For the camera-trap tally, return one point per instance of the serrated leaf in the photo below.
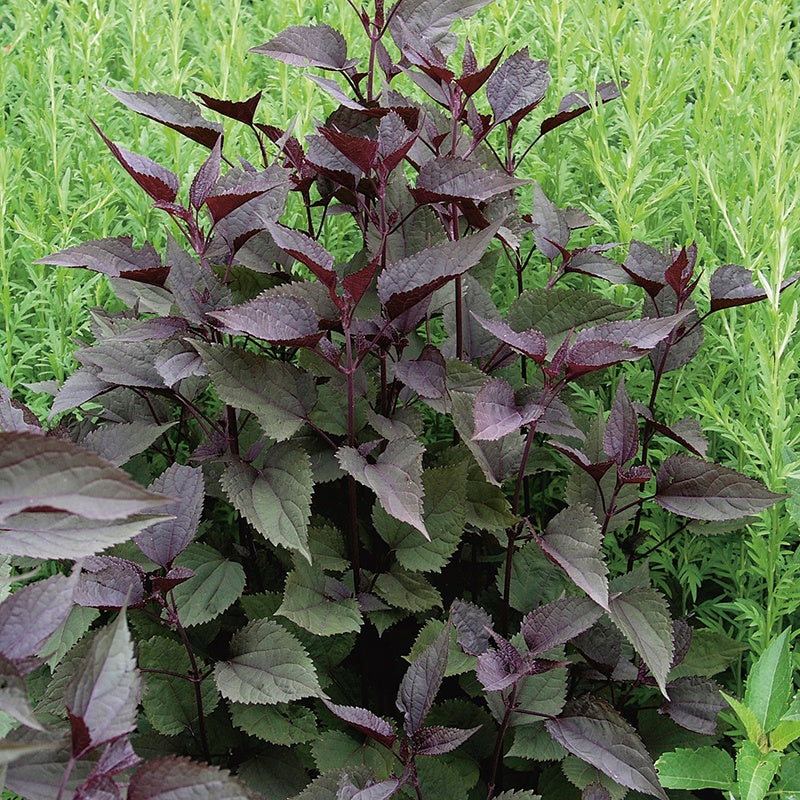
(448, 177)
(457, 661)
(643, 617)
(621, 436)
(769, 684)
(395, 477)
(14, 696)
(103, 696)
(275, 499)
(120, 442)
(206, 176)
(435, 740)
(517, 86)
(402, 284)
(544, 694)
(496, 414)
(421, 683)
(471, 623)
(243, 203)
(280, 395)
(164, 541)
(556, 623)
(430, 19)
(268, 665)
(283, 724)
(444, 517)
(110, 582)
(709, 653)
(733, 285)
(309, 602)
(307, 46)
(594, 732)
(755, 733)
(406, 590)
(534, 743)
(531, 342)
(170, 702)
(573, 540)
(67, 634)
(365, 721)
(694, 704)
(242, 111)
(576, 103)
(535, 579)
(177, 778)
(306, 250)
(174, 112)
(116, 257)
(216, 584)
(755, 771)
(701, 490)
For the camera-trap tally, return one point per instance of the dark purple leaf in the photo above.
(16, 417)
(426, 376)
(274, 318)
(164, 541)
(497, 669)
(365, 721)
(551, 230)
(702, 490)
(472, 78)
(593, 731)
(98, 787)
(421, 683)
(109, 582)
(207, 176)
(595, 791)
(531, 342)
(102, 697)
(395, 477)
(114, 256)
(472, 624)
(175, 113)
(679, 273)
(451, 178)
(429, 19)
(646, 266)
(588, 261)
(517, 86)
(242, 111)
(307, 46)
(120, 442)
(554, 624)
(621, 436)
(577, 103)
(117, 757)
(685, 342)
(173, 578)
(496, 413)
(573, 540)
(236, 188)
(601, 646)
(178, 778)
(394, 140)
(14, 695)
(643, 617)
(356, 283)
(733, 285)
(436, 740)
(307, 250)
(682, 634)
(408, 281)
(357, 149)
(694, 703)
(157, 181)
(686, 432)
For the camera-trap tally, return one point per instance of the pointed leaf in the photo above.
(110, 582)
(174, 112)
(694, 704)
(429, 19)
(769, 685)
(646, 266)
(556, 623)
(120, 442)
(594, 732)
(755, 771)
(496, 413)
(307, 46)
(471, 622)
(426, 376)
(206, 176)
(165, 540)
(14, 696)
(275, 499)
(517, 86)
(531, 342)
(755, 733)
(243, 203)
(306, 250)
(702, 490)
(405, 283)
(242, 111)
(573, 540)
(103, 696)
(436, 740)
(268, 665)
(395, 477)
(421, 683)
(551, 228)
(282, 724)
(733, 285)
(704, 768)
(643, 617)
(621, 436)
(157, 181)
(365, 721)
(449, 178)
(178, 778)
(576, 103)
(279, 394)
(113, 256)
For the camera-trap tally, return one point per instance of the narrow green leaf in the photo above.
(755, 771)
(755, 733)
(268, 665)
(705, 768)
(769, 685)
(275, 499)
(216, 584)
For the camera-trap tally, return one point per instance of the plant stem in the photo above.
(65, 777)
(498, 744)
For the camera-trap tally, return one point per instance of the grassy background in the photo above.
(703, 145)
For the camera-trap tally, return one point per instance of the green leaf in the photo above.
(755, 733)
(643, 617)
(769, 685)
(788, 729)
(280, 395)
(582, 775)
(77, 623)
(545, 694)
(422, 681)
(407, 590)
(268, 666)
(103, 696)
(704, 768)
(275, 499)
(395, 477)
(314, 601)
(175, 778)
(326, 543)
(458, 662)
(444, 516)
(216, 584)
(755, 771)
(534, 743)
(169, 701)
(709, 653)
(336, 749)
(535, 580)
(283, 724)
